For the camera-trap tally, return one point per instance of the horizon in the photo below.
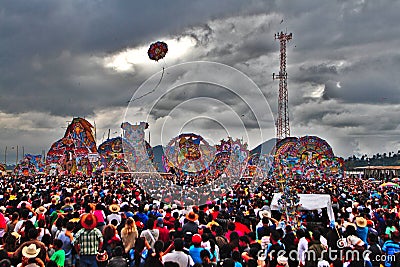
(63, 60)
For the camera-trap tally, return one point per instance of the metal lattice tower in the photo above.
(282, 123)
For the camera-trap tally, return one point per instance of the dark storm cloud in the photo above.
(36, 36)
(317, 73)
(236, 39)
(363, 83)
(220, 96)
(65, 86)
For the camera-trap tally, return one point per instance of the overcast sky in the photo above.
(88, 58)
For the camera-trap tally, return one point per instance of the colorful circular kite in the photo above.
(157, 50)
(307, 156)
(286, 146)
(314, 144)
(189, 154)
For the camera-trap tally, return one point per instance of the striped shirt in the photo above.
(88, 240)
(390, 248)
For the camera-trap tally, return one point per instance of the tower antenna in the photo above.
(282, 123)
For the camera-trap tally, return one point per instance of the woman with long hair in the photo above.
(109, 233)
(129, 234)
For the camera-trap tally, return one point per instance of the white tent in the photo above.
(309, 202)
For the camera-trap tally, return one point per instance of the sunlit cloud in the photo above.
(126, 60)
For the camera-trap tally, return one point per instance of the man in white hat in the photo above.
(39, 246)
(114, 209)
(30, 254)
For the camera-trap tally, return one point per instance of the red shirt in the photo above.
(164, 234)
(215, 215)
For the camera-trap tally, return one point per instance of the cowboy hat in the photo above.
(114, 208)
(265, 213)
(361, 222)
(210, 224)
(89, 221)
(30, 251)
(41, 210)
(191, 216)
(74, 220)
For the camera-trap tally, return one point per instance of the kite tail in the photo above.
(152, 91)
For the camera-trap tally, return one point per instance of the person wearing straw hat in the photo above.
(88, 241)
(114, 209)
(30, 256)
(32, 235)
(30, 251)
(41, 210)
(362, 229)
(191, 225)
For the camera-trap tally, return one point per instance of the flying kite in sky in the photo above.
(156, 51)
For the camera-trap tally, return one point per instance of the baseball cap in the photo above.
(196, 239)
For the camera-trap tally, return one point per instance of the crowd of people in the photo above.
(112, 221)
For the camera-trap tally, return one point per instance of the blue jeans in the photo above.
(88, 261)
(68, 261)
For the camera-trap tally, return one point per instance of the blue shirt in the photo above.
(67, 246)
(195, 253)
(362, 233)
(142, 217)
(390, 248)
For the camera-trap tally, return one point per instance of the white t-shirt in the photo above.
(42, 232)
(114, 216)
(302, 247)
(18, 225)
(151, 236)
(179, 257)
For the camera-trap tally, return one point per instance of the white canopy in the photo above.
(309, 202)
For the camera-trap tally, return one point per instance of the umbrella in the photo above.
(371, 179)
(389, 184)
(396, 179)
